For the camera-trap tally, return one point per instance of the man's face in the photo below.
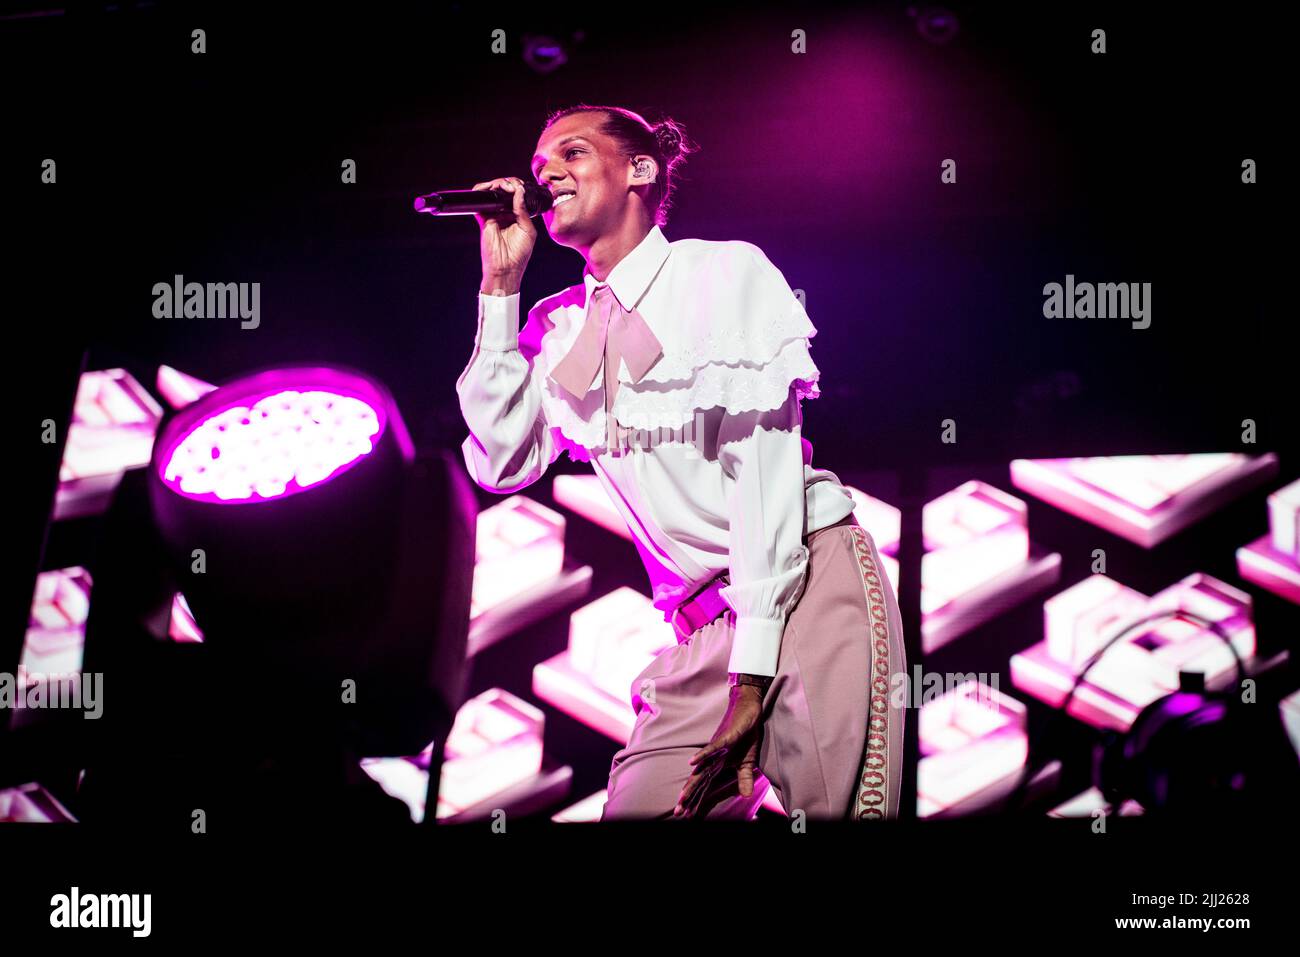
(574, 156)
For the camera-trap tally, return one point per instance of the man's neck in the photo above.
(608, 251)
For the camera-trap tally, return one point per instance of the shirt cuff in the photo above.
(498, 322)
(756, 646)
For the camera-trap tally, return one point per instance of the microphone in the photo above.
(460, 202)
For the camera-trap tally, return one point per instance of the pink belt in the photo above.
(706, 604)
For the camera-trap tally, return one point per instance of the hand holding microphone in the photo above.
(506, 240)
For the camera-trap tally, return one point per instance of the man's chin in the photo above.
(566, 235)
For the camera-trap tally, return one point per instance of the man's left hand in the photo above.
(734, 747)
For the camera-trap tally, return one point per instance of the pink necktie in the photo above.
(629, 339)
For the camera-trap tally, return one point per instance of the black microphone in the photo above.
(460, 202)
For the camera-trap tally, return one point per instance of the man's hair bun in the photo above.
(669, 138)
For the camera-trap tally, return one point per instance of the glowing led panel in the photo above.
(494, 745)
(275, 445)
(32, 804)
(1144, 498)
(180, 389)
(519, 545)
(181, 626)
(1290, 709)
(584, 495)
(973, 749)
(1273, 561)
(56, 628)
(113, 424)
(1144, 664)
(610, 641)
(614, 637)
(977, 560)
(972, 534)
(585, 811)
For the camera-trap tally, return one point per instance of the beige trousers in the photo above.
(832, 735)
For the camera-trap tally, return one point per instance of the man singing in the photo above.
(788, 633)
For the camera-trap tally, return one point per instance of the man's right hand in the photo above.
(506, 240)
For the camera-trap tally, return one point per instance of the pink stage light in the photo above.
(614, 637)
(32, 804)
(972, 535)
(494, 746)
(519, 546)
(977, 562)
(181, 626)
(1273, 560)
(114, 420)
(1290, 708)
(275, 445)
(878, 517)
(973, 745)
(1144, 498)
(56, 629)
(584, 495)
(1144, 664)
(179, 389)
(586, 811)
(610, 641)
(1284, 520)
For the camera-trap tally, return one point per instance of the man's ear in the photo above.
(646, 162)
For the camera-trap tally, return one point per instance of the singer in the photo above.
(788, 634)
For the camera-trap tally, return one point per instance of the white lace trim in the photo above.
(756, 343)
(736, 386)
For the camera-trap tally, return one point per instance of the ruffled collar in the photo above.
(747, 362)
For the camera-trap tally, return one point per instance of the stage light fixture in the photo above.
(277, 496)
(315, 552)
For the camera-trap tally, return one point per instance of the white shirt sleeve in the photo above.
(761, 454)
(510, 444)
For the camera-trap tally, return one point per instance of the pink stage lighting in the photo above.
(1144, 664)
(519, 545)
(32, 804)
(179, 389)
(113, 424)
(1144, 498)
(977, 561)
(262, 447)
(973, 750)
(972, 534)
(291, 482)
(1273, 561)
(56, 630)
(610, 640)
(495, 746)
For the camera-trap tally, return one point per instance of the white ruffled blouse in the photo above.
(709, 468)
